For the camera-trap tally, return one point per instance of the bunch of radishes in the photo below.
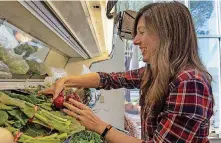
(58, 102)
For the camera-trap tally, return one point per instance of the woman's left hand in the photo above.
(85, 116)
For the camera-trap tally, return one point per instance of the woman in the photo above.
(175, 88)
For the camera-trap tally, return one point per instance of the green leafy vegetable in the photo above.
(3, 117)
(37, 67)
(34, 130)
(18, 96)
(25, 49)
(16, 64)
(39, 123)
(17, 124)
(5, 99)
(45, 106)
(19, 115)
(5, 107)
(86, 137)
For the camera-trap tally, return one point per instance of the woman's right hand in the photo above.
(54, 89)
(91, 80)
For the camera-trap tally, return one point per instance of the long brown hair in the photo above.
(178, 48)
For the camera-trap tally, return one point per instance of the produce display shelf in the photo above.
(19, 83)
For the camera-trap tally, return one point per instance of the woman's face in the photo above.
(147, 40)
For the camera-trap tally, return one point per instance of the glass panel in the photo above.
(209, 53)
(133, 60)
(181, 1)
(20, 54)
(205, 17)
(132, 5)
(140, 58)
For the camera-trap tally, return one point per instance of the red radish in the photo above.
(58, 102)
(73, 96)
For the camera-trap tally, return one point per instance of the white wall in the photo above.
(215, 140)
(112, 110)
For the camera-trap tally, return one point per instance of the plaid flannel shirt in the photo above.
(186, 112)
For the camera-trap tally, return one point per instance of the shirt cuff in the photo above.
(102, 77)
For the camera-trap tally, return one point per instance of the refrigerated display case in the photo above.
(41, 41)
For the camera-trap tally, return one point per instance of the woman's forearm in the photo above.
(91, 80)
(115, 136)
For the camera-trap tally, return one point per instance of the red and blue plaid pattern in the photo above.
(129, 80)
(186, 113)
